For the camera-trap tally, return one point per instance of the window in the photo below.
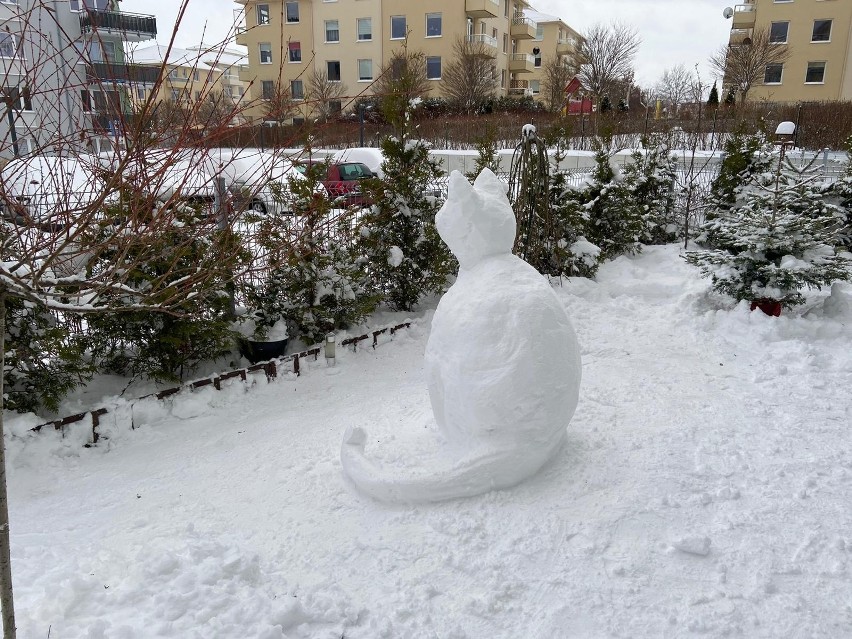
(365, 29)
(295, 49)
(265, 52)
(196, 75)
(365, 70)
(267, 89)
(333, 67)
(822, 31)
(505, 8)
(539, 32)
(332, 31)
(297, 90)
(175, 95)
(494, 32)
(20, 100)
(778, 32)
(198, 96)
(8, 45)
(263, 14)
(86, 99)
(75, 4)
(505, 42)
(102, 51)
(772, 74)
(535, 86)
(398, 28)
(25, 146)
(140, 93)
(816, 73)
(537, 59)
(433, 68)
(334, 107)
(292, 11)
(433, 25)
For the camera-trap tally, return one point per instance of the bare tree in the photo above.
(86, 238)
(401, 80)
(557, 72)
(324, 95)
(279, 104)
(675, 87)
(744, 65)
(606, 57)
(470, 78)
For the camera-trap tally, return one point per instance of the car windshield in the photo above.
(354, 171)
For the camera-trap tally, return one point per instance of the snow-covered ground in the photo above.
(704, 490)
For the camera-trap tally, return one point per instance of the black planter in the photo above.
(262, 351)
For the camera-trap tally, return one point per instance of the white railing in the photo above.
(482, 38)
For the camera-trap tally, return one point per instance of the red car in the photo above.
(341, 179)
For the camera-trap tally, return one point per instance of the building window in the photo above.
(263, 14)
(778, 32)
(196, 75)
(19, 100)
(433, 68)
(505, 42)
(773, 73)
(140, 94)
(433, 25)
(292, 11)
(295, 49)
(535, 86)
(297, 89)
(537, 59)
(175, 95)
(365, 70)
(332, 31)
(398, 28)
(333, 67)
(816, 73)
(334, 107)
(822, 31)
(8, 45)
(365, 29)
(265, 52)
(75, 5)
(494, 32)
(267, 89)
(198, 96)
(539, 32)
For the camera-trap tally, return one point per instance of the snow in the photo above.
(502, 365)
(696, 420)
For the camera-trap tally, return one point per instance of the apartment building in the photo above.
(351, 41)
(818, 34)
(190, 75)
(553, 39)
(64, 73)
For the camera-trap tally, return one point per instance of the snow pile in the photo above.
(502, 364)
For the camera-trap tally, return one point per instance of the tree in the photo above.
(401, 81)
(556, 73)
(713, 100)
(279, 105)
(744, 65)
(606, 57)
(470, 78)
(324, 94)
(85, 242)
(675, 86)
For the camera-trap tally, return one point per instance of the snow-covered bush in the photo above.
(397, 235)
(649, 184)
(44, 360)
(842, 190)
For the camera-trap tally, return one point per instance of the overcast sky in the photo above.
(672, 31)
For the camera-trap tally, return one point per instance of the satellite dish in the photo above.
(727, 12)
(746, 41)
(536, 51)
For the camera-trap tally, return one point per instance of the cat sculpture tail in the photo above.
(446, 477)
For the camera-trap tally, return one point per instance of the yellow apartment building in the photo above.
(553, 38)
(350, 41)
(191, 74)
(818, 34)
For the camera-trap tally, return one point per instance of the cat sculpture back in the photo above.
(502, 363)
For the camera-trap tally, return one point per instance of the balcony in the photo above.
(483, 45)
(744, 16)
(240, 35)
(521, 63)
(523, 28)
(519, 87)
(566, 46)
(108, 72)
(482, 8)
(738, 36)
(131, 27)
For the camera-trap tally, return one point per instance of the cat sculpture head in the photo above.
(477, 220)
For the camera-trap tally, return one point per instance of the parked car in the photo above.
(260, 181)
(342, 180)
(50, 191)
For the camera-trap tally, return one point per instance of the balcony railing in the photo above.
(122, 73)
(519, 87)
(523, 27)
(744, 14)
(131, 26)
(483, 44)
(521, 63)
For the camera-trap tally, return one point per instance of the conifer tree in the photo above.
(649, 182)
(713, 100)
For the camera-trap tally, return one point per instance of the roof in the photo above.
(538, 16)
(200, 57)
